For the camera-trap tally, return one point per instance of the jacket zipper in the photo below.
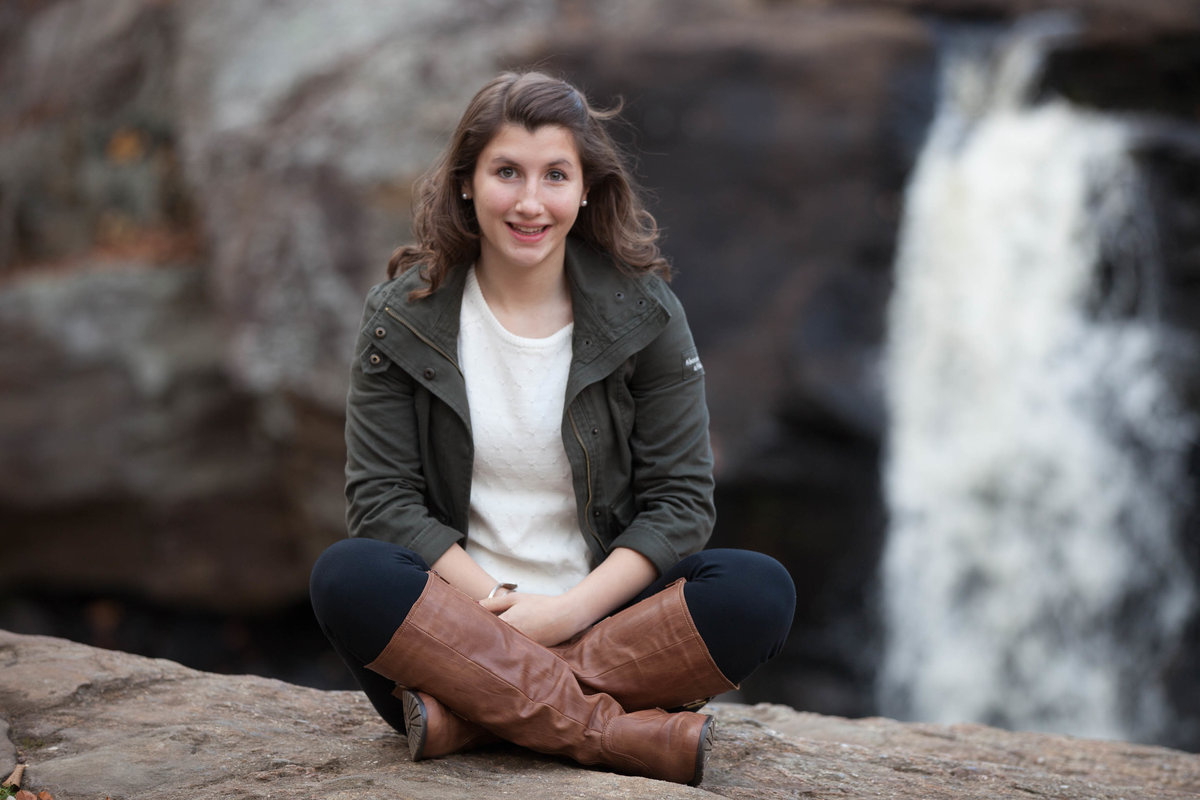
(422, 337)
(587, 460)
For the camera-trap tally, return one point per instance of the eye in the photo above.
(557, 175)
(506, 172)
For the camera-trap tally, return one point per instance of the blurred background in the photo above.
(942, 261)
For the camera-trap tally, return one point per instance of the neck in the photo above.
(535, 304)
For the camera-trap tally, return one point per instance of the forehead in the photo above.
(546, 144)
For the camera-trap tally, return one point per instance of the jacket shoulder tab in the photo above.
(395, 291)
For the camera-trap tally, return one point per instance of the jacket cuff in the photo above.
(432, 544)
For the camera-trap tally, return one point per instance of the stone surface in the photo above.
(127, 456)
(93, 723)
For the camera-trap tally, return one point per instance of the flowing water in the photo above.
(1036, 467)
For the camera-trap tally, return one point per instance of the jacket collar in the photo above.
(435, 316)
(616, 314)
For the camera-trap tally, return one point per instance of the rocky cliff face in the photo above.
(194, 197)
(94, 723)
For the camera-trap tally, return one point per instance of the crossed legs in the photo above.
(741, 604)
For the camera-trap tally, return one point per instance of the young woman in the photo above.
(528, 472)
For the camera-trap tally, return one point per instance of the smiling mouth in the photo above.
(524, 231)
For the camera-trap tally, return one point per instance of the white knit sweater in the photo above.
(522, 525)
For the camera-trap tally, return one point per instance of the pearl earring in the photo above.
(465, 196)
(583, 204)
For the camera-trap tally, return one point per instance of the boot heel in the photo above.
(434, 730)
(703, 749)
(415, 720)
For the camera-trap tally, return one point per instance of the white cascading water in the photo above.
(1036, 457)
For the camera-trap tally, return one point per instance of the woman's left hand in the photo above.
(547, 619)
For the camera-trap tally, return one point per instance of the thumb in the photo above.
(498, 605)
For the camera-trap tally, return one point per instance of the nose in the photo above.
(530, 201)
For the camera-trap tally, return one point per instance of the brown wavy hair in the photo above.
(444, 225)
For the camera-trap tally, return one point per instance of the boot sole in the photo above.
(414, 720)
(706, 742)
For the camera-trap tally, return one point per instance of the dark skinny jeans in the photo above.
(362, 589)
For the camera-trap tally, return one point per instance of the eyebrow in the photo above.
(558, 162)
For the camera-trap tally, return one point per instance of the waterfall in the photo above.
(1036, 459)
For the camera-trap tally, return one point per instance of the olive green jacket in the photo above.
(635, 423)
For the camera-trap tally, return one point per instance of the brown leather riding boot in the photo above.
(452, 648)
(649, 655)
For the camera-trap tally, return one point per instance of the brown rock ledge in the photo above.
(94, 723)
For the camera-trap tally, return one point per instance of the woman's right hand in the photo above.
(547, 619)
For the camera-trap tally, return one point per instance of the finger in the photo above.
(498, 605)
(523, 625)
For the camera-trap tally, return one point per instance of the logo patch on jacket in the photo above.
(691, 364)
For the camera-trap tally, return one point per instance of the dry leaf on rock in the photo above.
(14, 779)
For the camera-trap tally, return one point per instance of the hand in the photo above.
(547, 619)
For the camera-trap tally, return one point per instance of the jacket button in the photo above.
(596, 512)
(375, 359)
(595, 431)
(429, 373)
(620, 295)
(380, 332)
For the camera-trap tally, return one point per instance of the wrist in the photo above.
(501, 589)
(579, 610)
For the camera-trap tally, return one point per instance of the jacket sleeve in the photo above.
(385, 480)
(672, 469)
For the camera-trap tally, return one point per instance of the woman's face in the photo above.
(527, 188)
